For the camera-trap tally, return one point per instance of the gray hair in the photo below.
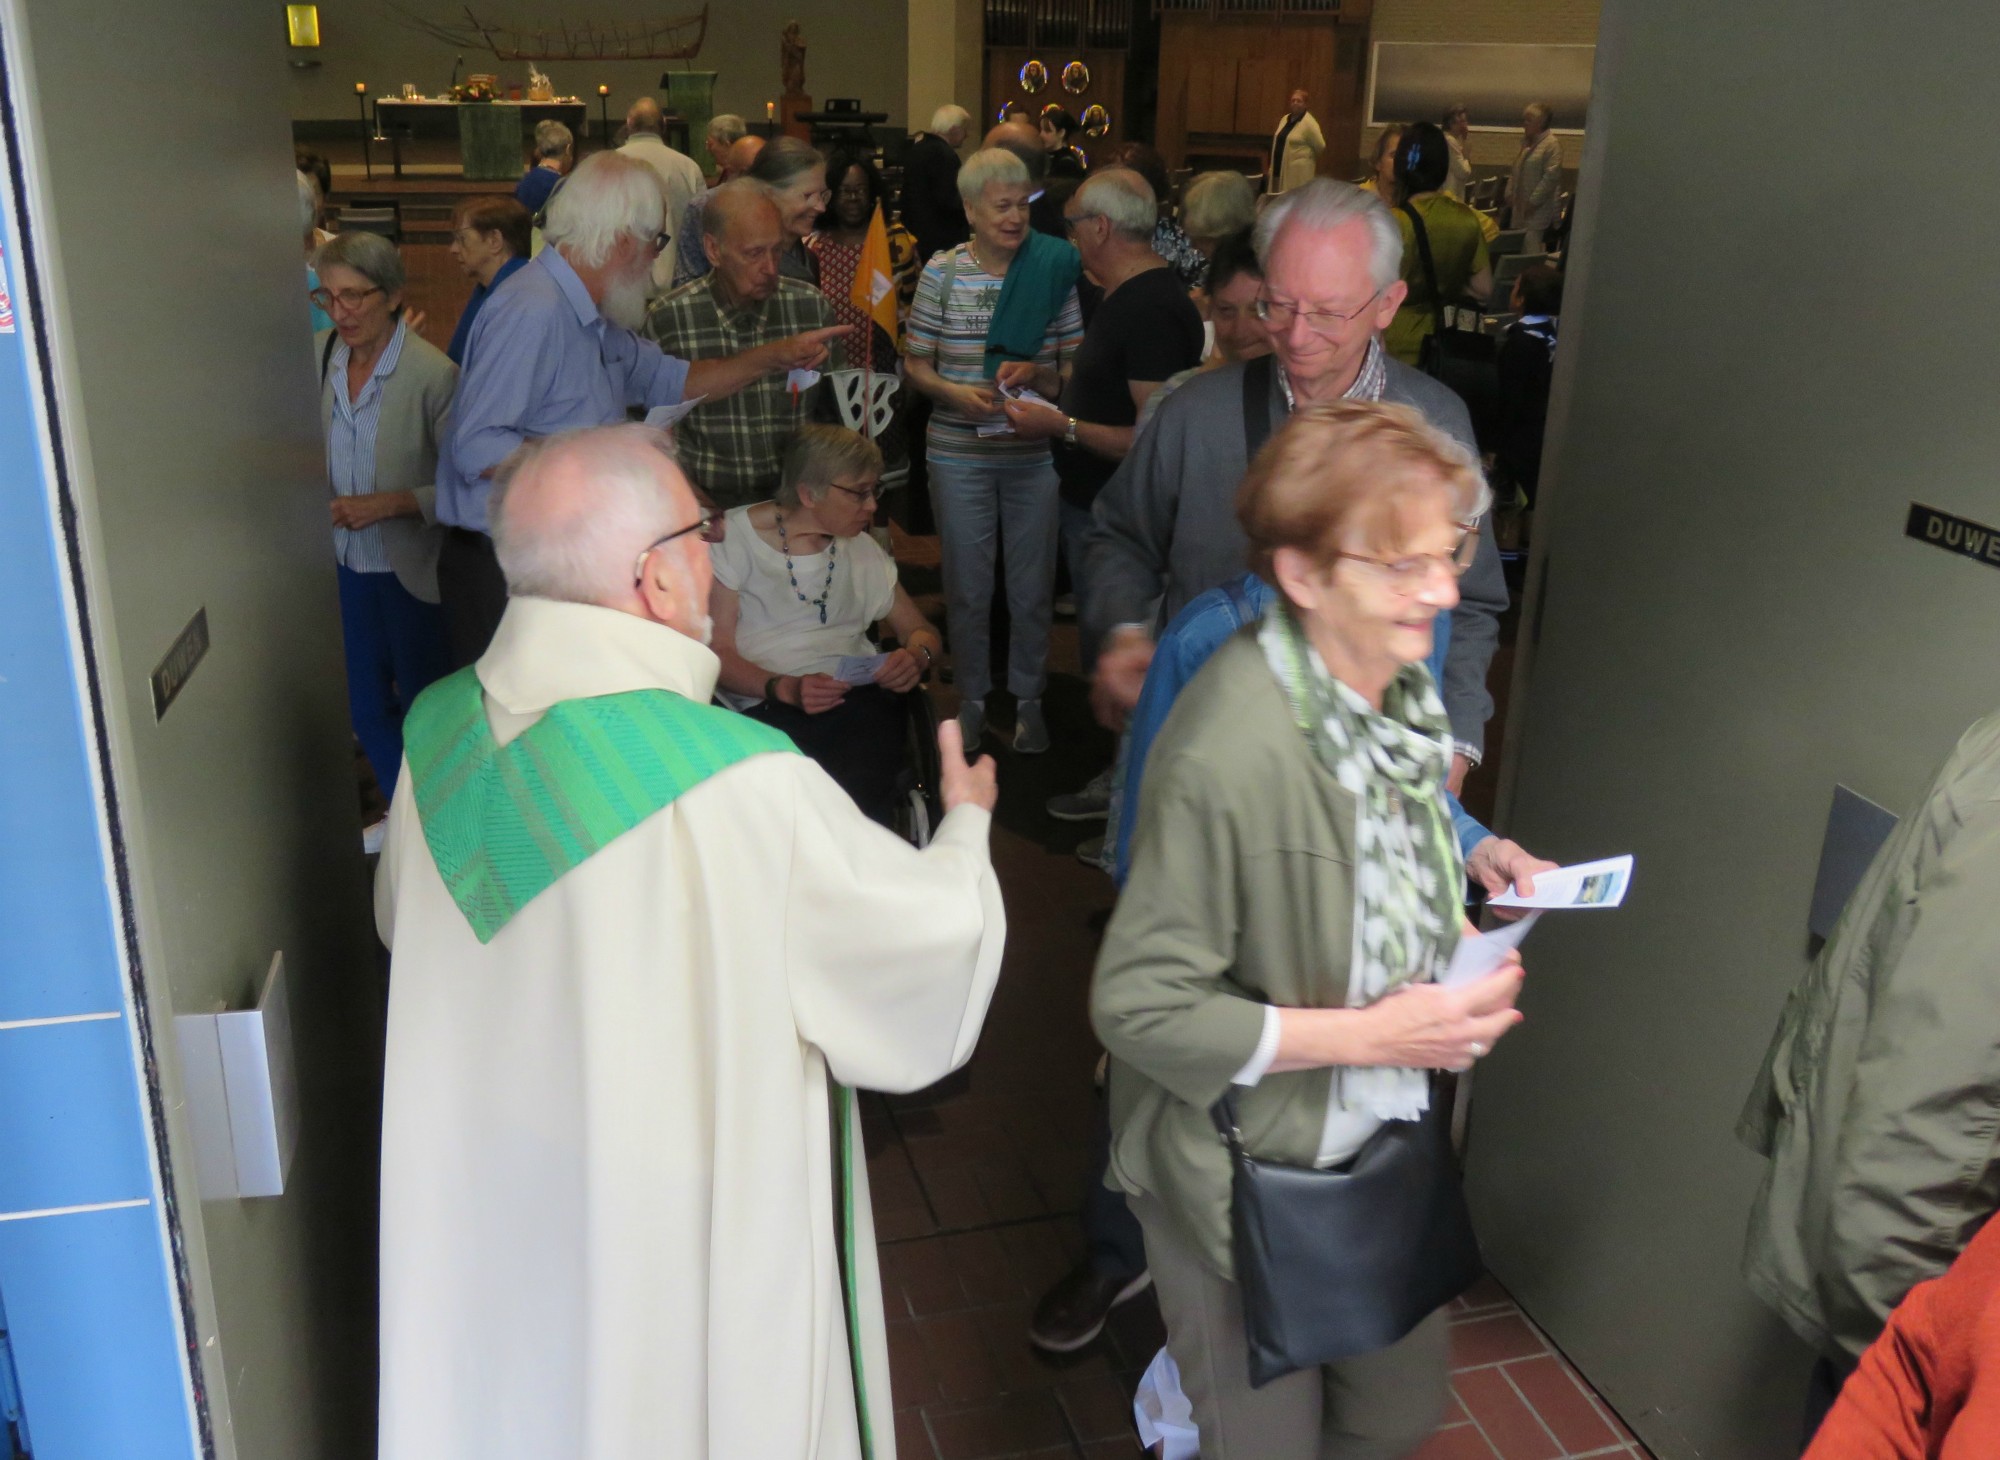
(309, 203)
(552, 139)
(987, 167)
(607, 198)
(643, 116)
(370, 255)
(1218, 204)
(1123, 199)
(950, 115)
(783, 159)
(727, 127)
(582, 549)
(818, 454)
(1321, 206)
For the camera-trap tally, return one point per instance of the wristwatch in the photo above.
(771, 689)
(1069, 436)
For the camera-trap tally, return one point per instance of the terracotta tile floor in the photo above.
(977, 1183)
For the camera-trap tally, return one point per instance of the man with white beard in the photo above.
(553, 350)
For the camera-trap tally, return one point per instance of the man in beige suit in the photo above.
(1295, 146)
(681, 178)
(1535, 191)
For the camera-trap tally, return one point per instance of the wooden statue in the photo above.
(792, 60)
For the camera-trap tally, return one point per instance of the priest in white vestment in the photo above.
(614, 1189)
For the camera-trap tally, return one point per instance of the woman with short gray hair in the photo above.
(555, 153)
(799, 586)
(796, 176)
(384, 397)
(1009, 294)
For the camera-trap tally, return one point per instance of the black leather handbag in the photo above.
(1346, 1261)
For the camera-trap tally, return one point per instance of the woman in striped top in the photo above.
(985, 483)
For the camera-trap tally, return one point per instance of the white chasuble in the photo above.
(607, 1182)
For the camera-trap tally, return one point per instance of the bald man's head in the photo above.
(643, 116)
(743, 235)
(741, 155)
(1024, 141)
(572, 515)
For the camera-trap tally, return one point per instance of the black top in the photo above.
(1067, 162)
(1145, 329)
(1278, 152)
(932, 209)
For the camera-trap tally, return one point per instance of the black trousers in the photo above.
(860, 742)
(473, 592)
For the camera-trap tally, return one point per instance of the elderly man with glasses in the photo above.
(642, 951)
(555, 350)
(731, 447)
(1166, 522)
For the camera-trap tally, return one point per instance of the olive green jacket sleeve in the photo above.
(1162, 1000)
(1879, 1102)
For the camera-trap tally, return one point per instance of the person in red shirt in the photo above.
(1929, 1387)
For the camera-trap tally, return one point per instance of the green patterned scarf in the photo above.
(1409, 875)
(504, 822)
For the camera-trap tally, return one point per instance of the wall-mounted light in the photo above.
(302, 25)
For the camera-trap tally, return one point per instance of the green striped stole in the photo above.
(504, 822)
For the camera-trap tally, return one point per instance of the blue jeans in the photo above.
(978, 507)
(1076, 524)
(395, 649)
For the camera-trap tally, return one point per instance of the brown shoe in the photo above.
(1072, 1313)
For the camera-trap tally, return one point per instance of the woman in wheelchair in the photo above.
(798, 585)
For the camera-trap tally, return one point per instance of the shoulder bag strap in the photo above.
(326, 354)
(1430, 268)
(1257, 382)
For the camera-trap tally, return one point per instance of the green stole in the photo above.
(504, 822)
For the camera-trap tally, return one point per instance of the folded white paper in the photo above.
(802, 380)
(858, 668)
(1587, 884)
(1482, 953)
(664, 417)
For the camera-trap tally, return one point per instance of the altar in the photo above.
(493, 136)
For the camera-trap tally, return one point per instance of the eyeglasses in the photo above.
(1071, 220)
(1407, 575)
(857, 193)
(818, 199)
(870, 493)
(706, 525)
(660, 242)
(1279, 313)
(346, 300)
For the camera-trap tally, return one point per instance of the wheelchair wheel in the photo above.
(918, 807)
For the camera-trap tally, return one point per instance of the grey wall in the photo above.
(185, 385)
(1763, 364)
(853, 48)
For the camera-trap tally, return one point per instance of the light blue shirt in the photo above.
(350, 450)
(541, 359)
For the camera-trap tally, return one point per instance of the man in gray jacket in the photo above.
(1880, 1097)
(1166, 521)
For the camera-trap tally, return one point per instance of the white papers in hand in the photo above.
(664, 417)
(799, 381)
(1482, 953)
(858, 668)
(1587, 884)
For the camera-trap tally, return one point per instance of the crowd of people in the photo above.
(637, 692)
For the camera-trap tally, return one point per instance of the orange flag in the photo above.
(875, 279)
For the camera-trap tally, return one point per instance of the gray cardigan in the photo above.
(416, 410)
(1166, 524)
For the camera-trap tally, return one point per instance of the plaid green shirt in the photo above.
(732, 448)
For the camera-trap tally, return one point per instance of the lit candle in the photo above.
(361, 88)
(604, 91)
(770, 111)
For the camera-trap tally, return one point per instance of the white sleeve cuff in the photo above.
(1471, 752)
(1260, 1060)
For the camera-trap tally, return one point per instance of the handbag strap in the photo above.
(1223, 1113)
(325, 355)
(1257, 382)
(1430, 267)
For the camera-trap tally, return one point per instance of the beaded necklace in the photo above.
(826, 588)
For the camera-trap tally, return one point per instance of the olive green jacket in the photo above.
(1241, 894)
(1879, 1102)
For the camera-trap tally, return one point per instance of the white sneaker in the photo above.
(971, 723)
(372, 836)
(1031, 732)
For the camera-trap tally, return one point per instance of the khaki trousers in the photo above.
(1380, 1406)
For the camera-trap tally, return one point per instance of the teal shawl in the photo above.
(1037, 285)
